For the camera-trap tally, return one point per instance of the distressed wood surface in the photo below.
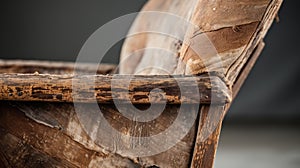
(207, 138)
(63, 88)
(227, 33)
(233, 28)
(49, 134)
(246, 69)
(205, 149)
(268, 18)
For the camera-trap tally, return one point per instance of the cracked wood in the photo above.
(70, 88)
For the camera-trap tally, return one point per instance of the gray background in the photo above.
(56, 30)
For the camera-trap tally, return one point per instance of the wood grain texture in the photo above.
(155, 53)
(205, 149)
(265, 23)
(49, 133)
(225, 35)
(207, 139)
(234, 29)
(71, 88)
(246, 69)
(55, 140)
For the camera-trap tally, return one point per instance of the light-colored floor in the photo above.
(259, 147)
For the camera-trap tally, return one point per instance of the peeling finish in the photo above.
(48, 134)
(60, 88)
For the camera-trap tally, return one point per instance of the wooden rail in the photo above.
(100, 88)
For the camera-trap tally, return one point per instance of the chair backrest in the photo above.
(224, 32)
(222, 38)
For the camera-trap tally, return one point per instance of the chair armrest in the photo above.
(56, 82)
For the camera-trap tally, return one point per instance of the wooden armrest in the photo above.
(89, 88)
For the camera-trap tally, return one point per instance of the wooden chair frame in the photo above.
(36, 105)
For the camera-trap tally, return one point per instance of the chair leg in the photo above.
(206, 146)
(209, 129)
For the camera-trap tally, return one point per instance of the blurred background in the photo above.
(261, 129)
